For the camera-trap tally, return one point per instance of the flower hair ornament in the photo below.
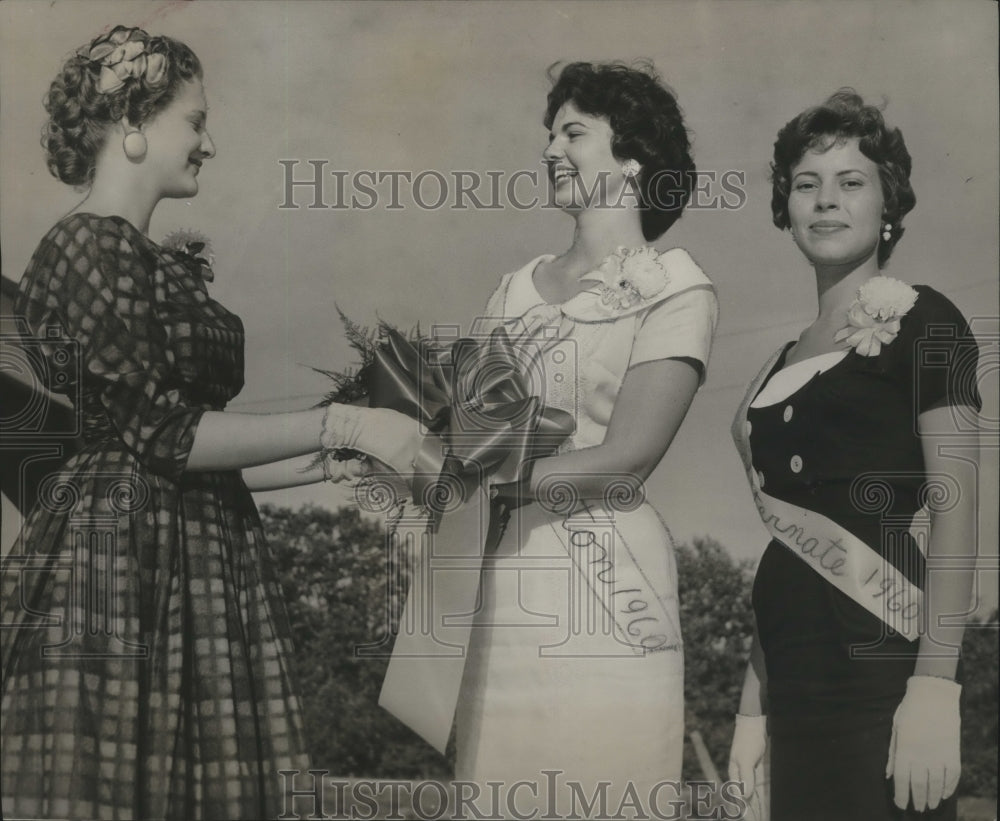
(873, 318)
(122, 55)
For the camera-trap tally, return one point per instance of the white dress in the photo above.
(576, 661)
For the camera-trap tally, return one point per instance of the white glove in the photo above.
(925, 758)
(387, 435)
(746, 761)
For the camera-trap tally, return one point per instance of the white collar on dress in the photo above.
(788, 380)
(682, 274)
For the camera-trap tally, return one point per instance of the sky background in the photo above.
(448, 87)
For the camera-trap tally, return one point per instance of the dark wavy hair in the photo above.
(648, 127)
(81, 115)
(844, 115)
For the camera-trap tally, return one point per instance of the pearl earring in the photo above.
(887, 232)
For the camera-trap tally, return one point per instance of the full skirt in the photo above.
(145, 655)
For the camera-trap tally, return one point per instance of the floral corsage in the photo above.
(195, 248)
(631, 275)
(873, 318)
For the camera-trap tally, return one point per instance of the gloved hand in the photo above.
(387, 435)
(746, 760)
(925, 759)
(347, 472)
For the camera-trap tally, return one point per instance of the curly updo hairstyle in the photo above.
(648, 127)
(842, 116)
(81, 115)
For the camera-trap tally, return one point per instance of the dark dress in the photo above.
(845, 445)
(145, 655)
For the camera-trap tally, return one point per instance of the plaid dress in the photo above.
(145, 643)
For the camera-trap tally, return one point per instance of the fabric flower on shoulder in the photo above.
(630, 276)
(195, 247)
(873, 318)
(631, 280)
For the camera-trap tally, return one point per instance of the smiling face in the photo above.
(178, 142)
(835, 205)
(582, 170)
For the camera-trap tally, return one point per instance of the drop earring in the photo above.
(134, 142)
(887, 232)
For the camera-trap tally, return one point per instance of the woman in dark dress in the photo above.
(852, 678)
(145, 650)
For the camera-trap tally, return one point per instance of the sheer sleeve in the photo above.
(680, 327)
(942, 353)
(91, 290)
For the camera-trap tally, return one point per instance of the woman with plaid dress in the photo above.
(145, 656)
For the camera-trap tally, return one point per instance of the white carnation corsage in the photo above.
(630, 276)
(873, 318)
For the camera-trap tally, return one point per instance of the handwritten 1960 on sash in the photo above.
(845, 561)
(640, 618)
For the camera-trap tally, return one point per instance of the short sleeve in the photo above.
(945, 355)
(680, 327)
(89, 283)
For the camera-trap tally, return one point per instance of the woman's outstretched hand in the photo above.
(746, 760)
(346, 471)
(924, 753)
(386, 435)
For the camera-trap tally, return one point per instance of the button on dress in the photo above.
(849, 451)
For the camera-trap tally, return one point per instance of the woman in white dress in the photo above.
(575, 672)
(573, 694)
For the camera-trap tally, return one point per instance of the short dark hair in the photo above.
(647, 124)
(80, 114)
(844, 115)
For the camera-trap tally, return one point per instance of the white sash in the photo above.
(422, 683)
(421, 686)
(839, 556)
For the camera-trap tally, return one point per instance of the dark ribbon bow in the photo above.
(474, 397)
